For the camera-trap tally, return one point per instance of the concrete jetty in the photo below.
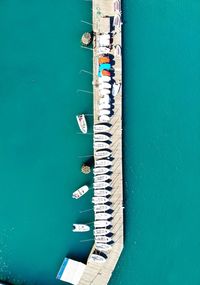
(107, 19)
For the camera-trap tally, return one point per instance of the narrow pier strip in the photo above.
(107, 20)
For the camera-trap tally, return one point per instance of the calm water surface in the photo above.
(41, 148)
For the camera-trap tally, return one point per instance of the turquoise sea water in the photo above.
(40, 148)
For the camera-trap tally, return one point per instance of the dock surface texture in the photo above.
(95, 273)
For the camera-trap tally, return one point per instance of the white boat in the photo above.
(102, 154)
(99, 200)
(104, 79)
(102, 193)
(96, 258)
(104, 119)
(103, 162)
(103, 246)
(117, 21)
(104, 112)
(99, 178)
(104, 92)
(100, 170)
(101, 128)
(102, 216)
(100, 185)
(101, 232)
(101, 208)
(105, 85)
(101, 145)
(102, 224)
(82, 123)
(80, 192)
(102, 50)
(102, 239)
(116, 88)
(104, 106)
(101, 137)
(80, 228)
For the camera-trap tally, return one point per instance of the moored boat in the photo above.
(105, 85)
(104, 92)
(100, 170)
(102, 154)
(102, 193)
(103, 177)
(101, 137)
(102, 216)
(101, 145)
(104, 119)
(82, 123)
(104, 112)
(104, 106)
(80, 192)
(103, 246)
(101, 232)
(99, 200)
(102, 239)
(80, 228)
(96, 258)
(102, 224)
(101, 128)
(101, 208)
(103, 163)
(100, 185)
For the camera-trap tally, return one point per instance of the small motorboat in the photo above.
(102, 154)
(102, 216)
(96, 258)
(105, 73)
(105, 85)
(100, 178)
(101, 145)
(102, 50)
(104, 92)
(103, 162)
(102, 239)
(104, 79)
(102, 193)
(102, 224)
(101, 137)
(103, 59)
(80, 228)
(100, 185)
(104, 112)
(104, 119)
(101, 232)
(101, 208)
(100, 170)
(103, 246)
(80, 192)
(99, 200)
(104, 106)
(101, 128)
(116, 88)
(82, 123)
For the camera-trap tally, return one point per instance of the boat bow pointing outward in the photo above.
(82, 123)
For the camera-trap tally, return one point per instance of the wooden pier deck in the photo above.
(100, 274)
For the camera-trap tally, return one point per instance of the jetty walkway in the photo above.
(107, 15)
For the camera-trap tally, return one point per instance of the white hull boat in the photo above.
(102, 193)
(102, 224)
(99, 200)
(102, 154)
(104, 106)
(102, 216)
(101, 128)
(104, 92)
(101, 232)
(100, 170)
(96, 258)
(82, 123)
(104, 112)
(101, 145)
(101, 208)
(100, 185)
(104, 79)
(101, 137)
(80, 192)
(116, 88)
(102, 239)
(104, 119)
(103, 162)
(103, 50)
(80, 228)
(100, 178)
(105, 85)
(103, 246)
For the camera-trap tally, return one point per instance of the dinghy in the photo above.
(80, 192)
(80, 228)
(101, 145)
(100, 185)
(99, 200)
(101, 137)
(101, 208)
(102, 216)
(82, 123)
(103, 246)
(101, 232)
(103, 162)
(102, 154)
(102, 193)
(96, 258)
(99, 178)
(102, 239)
(102, 224)
(100, 170)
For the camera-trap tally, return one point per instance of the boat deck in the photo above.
(100, 274)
